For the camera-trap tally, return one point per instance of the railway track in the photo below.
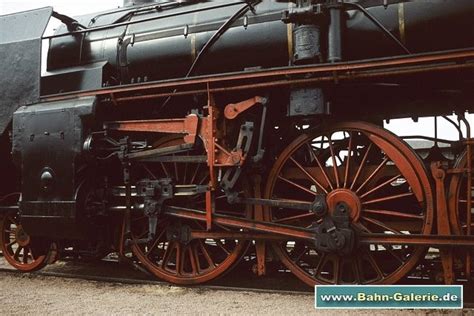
(110, 271)
(138, 277)
(133, 281)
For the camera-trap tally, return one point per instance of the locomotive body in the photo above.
(168, 42)
(187, 135)
(166, 46)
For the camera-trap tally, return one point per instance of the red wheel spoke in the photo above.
(380, 186)
(180, 254)
(389, 198)
(391, 252)
(293, 218)
(193, 260)
(381, 225)
(17, 253)
(155, 243)
(334, 163)
(25, 255)
(142, 235)
(223, 227)
(205, 177)
(373, 174)
(348, 163)
(222, 197)
(206, 254)
(139, 218)
(185, 170)
(297, 186)
(337, 269)
(393, 213)
(301, 254)
(167, 254)
(374, 264)
(149, 171)
(356, 269)
(361, 166)
(195, 173)
(308, 175)
(164, 169)
(176, 170)
(196, 258)
(320, 264)
(221, 246)
(323, 170)
(361, 227)
(11, 243)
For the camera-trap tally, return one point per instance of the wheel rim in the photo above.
(458, 215)
(383, 182)
(200, 260)
(18, 248)
(458, 199)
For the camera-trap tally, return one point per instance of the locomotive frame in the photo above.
(332, 221)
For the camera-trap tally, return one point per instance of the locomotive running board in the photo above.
(273, 231)
(283, 76)
(9, 209)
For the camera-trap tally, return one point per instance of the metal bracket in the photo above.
(235, 109)
(243, 146)
(442, 218)
(187, 126)
(306, 15)
(154, 194)
(334, 234)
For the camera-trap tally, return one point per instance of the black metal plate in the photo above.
(48, 138)
(20, 51)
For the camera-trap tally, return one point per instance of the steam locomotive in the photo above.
(187, 136)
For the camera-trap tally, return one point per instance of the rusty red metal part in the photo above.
(260, 215)
(273, 232)
(187, 126)
(352, 159)
(233, 110)
(459, 202)
(17, 247)
(198, 260)
(442, 219)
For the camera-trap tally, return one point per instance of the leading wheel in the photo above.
(168, 256)
(377, 176)
(20, 249)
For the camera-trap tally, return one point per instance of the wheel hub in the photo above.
(348, 197)
(22, 237)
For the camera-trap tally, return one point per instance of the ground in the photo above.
(30, 294)
(33, 294)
